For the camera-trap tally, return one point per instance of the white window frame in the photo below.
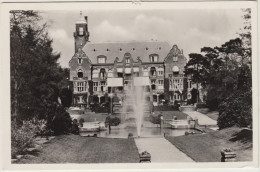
(101, 60)
(127, 60)
(81, 31)
(160, 82)
(95, 86)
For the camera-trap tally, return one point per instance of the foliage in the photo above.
(115, 121)
(155, 119)
(236, 110)
(60, 122)
(66, 97)
(23, 134)
(36, 77)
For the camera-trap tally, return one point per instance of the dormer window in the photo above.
(133, 49)
(127, 60)
(94, 50)
(80, 60)
(80, 73)
(146, 48)
(81, 31)
(120, 49)
(154, 58)
(175, 58)
(107, 49)
(159, 48)
(101, 59)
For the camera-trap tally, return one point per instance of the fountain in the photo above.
(136, 100)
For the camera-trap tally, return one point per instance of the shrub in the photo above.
(112, 121)
(236, 110)
(75, 129)
(81, 121)
(22, 135)
(115, 121)
(61, 122)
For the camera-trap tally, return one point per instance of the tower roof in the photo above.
(81, 19)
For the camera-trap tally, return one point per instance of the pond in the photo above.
(117, 132)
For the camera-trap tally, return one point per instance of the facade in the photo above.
(93, 65)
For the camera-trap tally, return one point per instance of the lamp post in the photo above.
(111, 102)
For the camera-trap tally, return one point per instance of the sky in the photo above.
(189, 29)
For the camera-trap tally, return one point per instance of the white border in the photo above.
(5, 82)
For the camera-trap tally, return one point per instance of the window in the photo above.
(95, 73)
(170, 84)
(102, 73)
(81, 86)
(160, 82)
(175, 58)
(81, 31)
(107, 49)
(146, 48)
(110, 74)
(101, 60)
(154, 58)
(103, 86)
(153, 81)
(159, 48)
(153, 71)
(95, 86)
(80, 60)
(145, 73)
(160, 73)
(133, 49)
(127, 60)
(94, 50)
(175, 70)
(80, 74)
(120, 49)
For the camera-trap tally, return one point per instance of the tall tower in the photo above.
(81, 34)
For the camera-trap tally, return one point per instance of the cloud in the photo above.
(107, 31)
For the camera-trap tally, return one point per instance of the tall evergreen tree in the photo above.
(35, 73)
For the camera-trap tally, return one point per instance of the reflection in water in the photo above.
(145, 132)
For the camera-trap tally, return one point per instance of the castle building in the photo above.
(94, 67)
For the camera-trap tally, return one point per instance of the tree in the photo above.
(35, 73)
(197, 67)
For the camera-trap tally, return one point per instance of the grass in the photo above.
(207, 147)
(77, 149)
(212, 114)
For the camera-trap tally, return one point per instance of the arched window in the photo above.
(175, 70)
(80, 73)
(102, 73)
(153, 71)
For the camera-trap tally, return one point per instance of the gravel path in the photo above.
(161, 150)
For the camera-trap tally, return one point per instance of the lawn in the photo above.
(77, 149)
(207, 147)
(213, 115)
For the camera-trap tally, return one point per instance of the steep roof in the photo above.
(118, 49)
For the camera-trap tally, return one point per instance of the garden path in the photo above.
(161, 150)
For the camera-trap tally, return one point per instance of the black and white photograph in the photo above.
(136, 83)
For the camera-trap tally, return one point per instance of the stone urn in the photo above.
(145, 157)
(227, 155)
